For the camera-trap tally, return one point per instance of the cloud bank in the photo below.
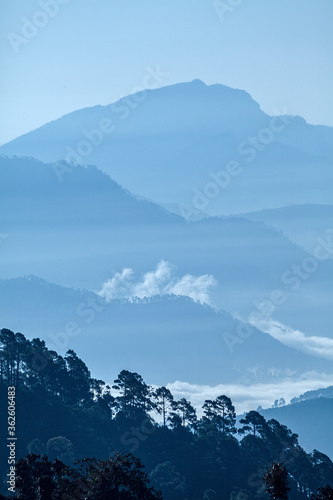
(249, 397)
(321, 347)
(161, 281)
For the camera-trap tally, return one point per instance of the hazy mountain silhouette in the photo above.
(80, 232)
(166, 144)
(164, 338)
(302, 224)
(327, 392)
(311, 420)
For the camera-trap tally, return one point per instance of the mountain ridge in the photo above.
(175, 130)
(146, 334)
(88, 222)
(314, 414)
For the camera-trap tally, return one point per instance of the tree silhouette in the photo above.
(183, 413)
(164, 402)
(276, 481)
(135, 394)
(166, 478)
(322, 467)
(57, 397)
(36, 478)
(61, 448)
(253, 423)
(78, 387)
(11, 355)
(324, 493)
(221, 413)
(120, 478)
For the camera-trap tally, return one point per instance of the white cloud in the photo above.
(316, 346)
(161, 281)
(118, 286)
(154, 282)
(249, 397)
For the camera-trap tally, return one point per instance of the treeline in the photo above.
(64, 413)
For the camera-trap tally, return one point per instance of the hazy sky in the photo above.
(87, 52)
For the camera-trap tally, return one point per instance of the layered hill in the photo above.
(304, 225)
(310, 419)
(83, 231)
(164, 338)
(202, 147)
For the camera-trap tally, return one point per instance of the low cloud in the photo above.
(161, 281)
(249, 397)
(321, 347)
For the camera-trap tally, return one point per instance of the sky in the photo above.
(61, 55)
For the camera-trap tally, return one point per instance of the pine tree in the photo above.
(276, 481)
(221, 413)
(164, 402)
(135, 394)
(254, 424)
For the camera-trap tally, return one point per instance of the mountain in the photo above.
(163, 338)
(83, 231)
(327, 392)
(302, 224)
(206, 148)
(311, 420)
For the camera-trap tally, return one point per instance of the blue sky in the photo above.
(93, 52)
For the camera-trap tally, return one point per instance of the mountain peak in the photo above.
(197, 81)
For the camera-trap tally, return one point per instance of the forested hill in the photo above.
(64, 413)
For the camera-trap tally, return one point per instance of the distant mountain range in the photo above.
(169, 339)
(163, 338)
(312, 410)
(179, 214)
(202, 147)
(195, 228)
(327, 392)
(302, 224)
(83, 231)
(310, 419)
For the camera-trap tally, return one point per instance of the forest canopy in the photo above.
(70, 425)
